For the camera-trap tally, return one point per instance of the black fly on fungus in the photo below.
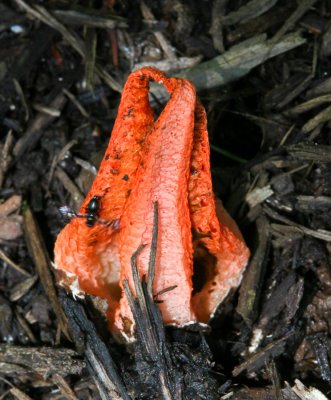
(91, 215)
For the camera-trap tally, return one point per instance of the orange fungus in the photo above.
(148, 160)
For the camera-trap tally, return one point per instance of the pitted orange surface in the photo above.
(164, 160)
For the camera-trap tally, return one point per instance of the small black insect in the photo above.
(92, 211)
(91, 215)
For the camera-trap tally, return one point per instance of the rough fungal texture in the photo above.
(164, 160)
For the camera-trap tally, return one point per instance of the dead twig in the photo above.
(98, 359)
(41, 360)
(303, 7)
(258, 359)
(301, 392)
(239, 60)
(22, 288)
(320, 118)
(20, 92)
(5, 157)
(250, 10)
(171, 65)
(65, 389)
(147, 316)
(152, 257)
(90, 18)
(74, 100)
(57, 159)
(89, 167)
(10, 205)
(318, 233)
(42, 262)
(11, 263)
(216, 29)
(147, 14)
(18, 394)
(37, 127)
(69, 185)
(24, 324)
(308, 105)
(310, 152)
(251, 285)
(90, 56)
